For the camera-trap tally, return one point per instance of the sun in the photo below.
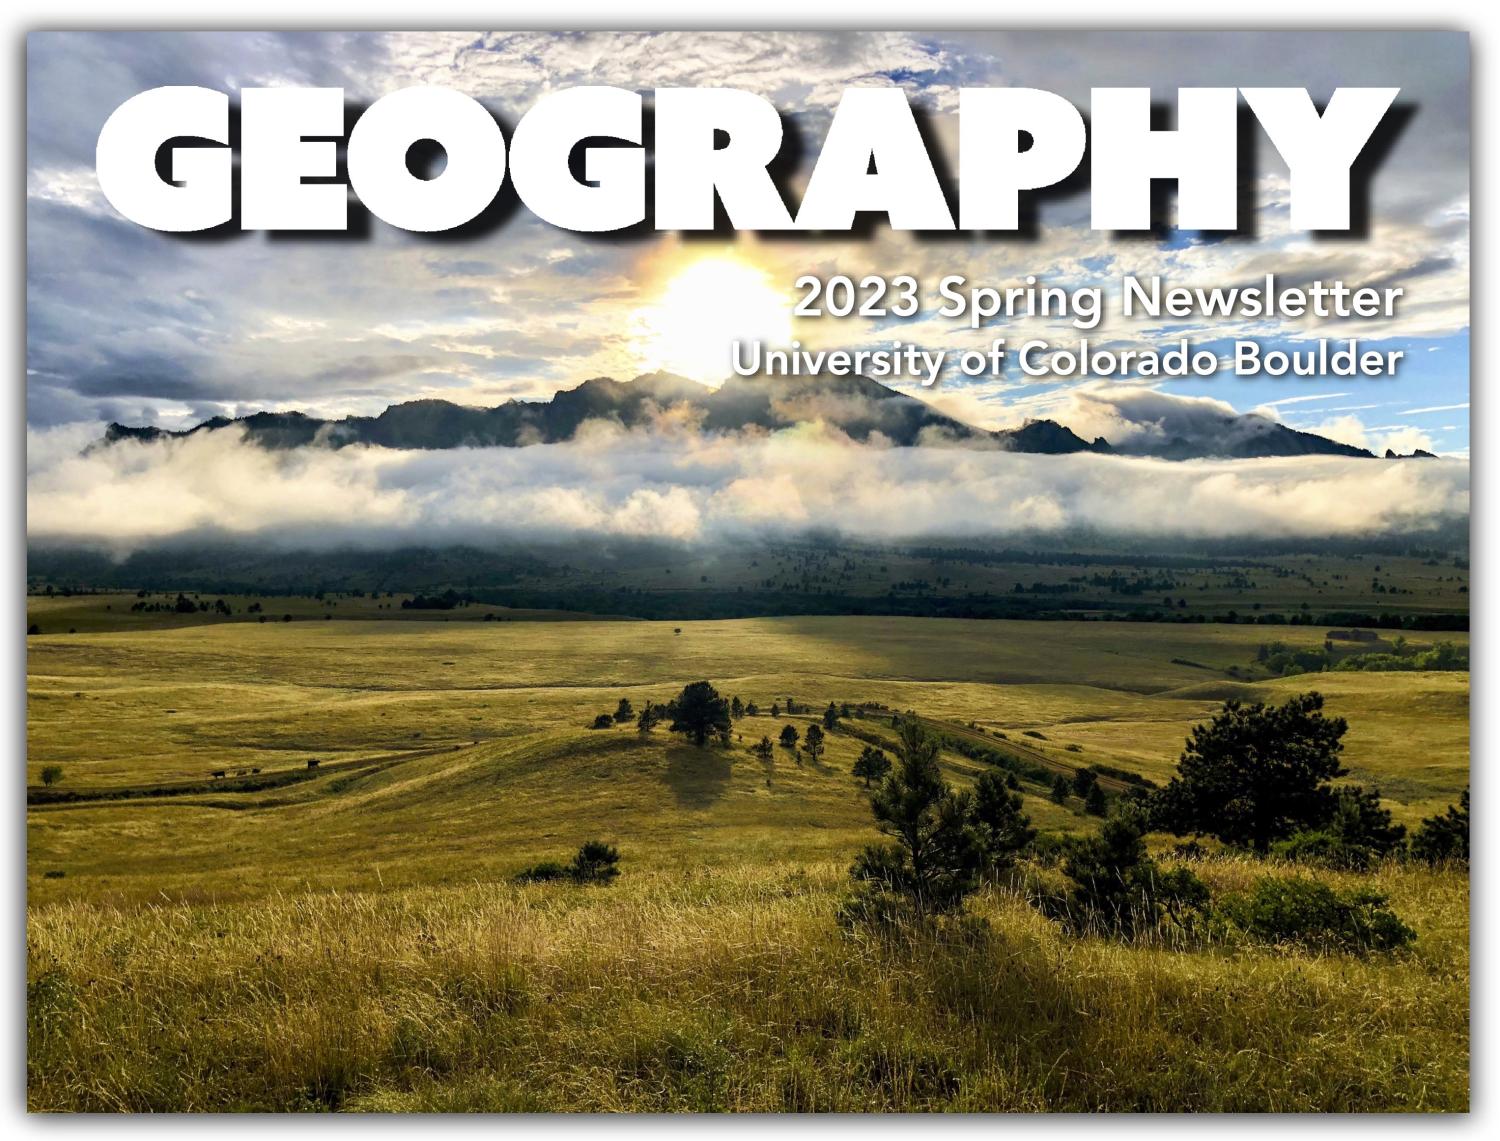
(703, 309)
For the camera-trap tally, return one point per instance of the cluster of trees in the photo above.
(1258, 777)
(182, 604)
(814, 743)
(1287, 661)
(448, 600)
(702, 714)
(624, 712)
(699, 712)
(1085, 786)
(1445, 656)
(944, 843)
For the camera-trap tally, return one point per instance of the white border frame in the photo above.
(1481, 20)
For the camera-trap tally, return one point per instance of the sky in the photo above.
(128, 324)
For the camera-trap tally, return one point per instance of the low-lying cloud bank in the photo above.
(683, 486)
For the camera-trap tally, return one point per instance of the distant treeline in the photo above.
(709, 604)
(985, 557)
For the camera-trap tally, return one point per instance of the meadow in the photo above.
(351, 935)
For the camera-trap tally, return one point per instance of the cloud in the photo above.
(1138, 418)
(1436, 408)
(1350, 429)
(1304, 399)
(683, 486)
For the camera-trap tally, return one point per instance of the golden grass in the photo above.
(127, 708)
(724, 988)
(355, 941)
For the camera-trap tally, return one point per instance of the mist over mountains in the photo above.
(861, 409)
(662, 458)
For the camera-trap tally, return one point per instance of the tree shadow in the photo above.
(697, 777)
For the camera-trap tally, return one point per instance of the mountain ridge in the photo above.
(858, 406)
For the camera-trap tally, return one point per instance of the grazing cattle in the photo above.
(313, 764)
(217, 774)
(254, 772)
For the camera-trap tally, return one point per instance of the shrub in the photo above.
(1359, 833)
(543, 872)
(1446, 836)
(1320, 848)
(1360, 821)
(51, 775)
(1307, 913)
(604, 721)
(1118, 889)
(596, 862)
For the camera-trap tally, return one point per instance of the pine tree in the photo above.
(1004, 830)
(1059, 789)
(813, 741)
(935, 853)
(872, 764)
(700, 712)
(1095, 803)
(649, 716)
(1256, 773)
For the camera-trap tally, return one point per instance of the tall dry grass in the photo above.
(722, 990)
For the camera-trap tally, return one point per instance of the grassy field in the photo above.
(349, 936)
(115, 610)
(723, 987)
